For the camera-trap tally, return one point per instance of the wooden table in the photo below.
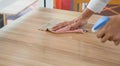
(14, 7)
(22, 44)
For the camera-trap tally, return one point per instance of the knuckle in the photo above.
(116, 38)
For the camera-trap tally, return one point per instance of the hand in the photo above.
(111, 31)
(70, 26)
(74, 25)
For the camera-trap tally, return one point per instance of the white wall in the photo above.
(49, 3)
(41, 3)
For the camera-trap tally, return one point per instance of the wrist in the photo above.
(86, 14)
(81, 19)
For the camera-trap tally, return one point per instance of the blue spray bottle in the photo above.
(100, 23)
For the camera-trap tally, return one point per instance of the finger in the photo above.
(65, 30)
(110, 39)
(58, 31)
(105, 38)
(62, 30)
(73, 26)
(116, 42)
(59, 26)
(101, 33)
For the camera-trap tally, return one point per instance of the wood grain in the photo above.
(22, 44)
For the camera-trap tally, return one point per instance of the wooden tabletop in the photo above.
(22, 44)
(13, 7)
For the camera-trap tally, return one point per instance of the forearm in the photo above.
(86, 14)
(94, 6)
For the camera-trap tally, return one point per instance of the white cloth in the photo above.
(97, 5)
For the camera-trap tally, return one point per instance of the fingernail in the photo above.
(117, 43)
(103, 41)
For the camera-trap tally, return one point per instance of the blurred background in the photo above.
(113, 8)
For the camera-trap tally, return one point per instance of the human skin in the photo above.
(111, 31)
(74, 24)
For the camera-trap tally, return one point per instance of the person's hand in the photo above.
(70, 26)
(111, 31)
(74, 25)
